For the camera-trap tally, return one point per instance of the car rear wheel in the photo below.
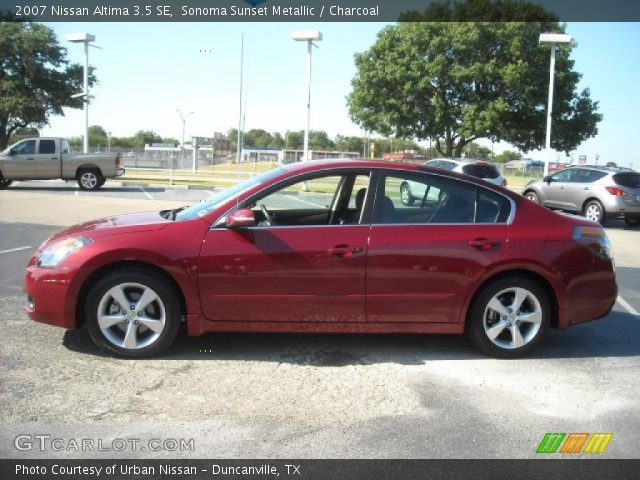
(533, 196)
(509, 317)
(632, 221)
(405, 195)
(594, 210)
(4, 183)
(89, 179)
(132, 313)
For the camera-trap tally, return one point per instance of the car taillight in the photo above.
(595, 239)
(618, 192)
(504, 182)
(118, 160)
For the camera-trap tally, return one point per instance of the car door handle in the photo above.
(53, 158)
(483, 244)
(586, 188)
(562, 187)
(29, 158)
(344, 251)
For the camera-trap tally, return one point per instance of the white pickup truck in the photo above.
(48, 158)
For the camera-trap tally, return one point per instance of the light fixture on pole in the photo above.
(85, 38)
(307, 36)
(553, 39)
(184, 121)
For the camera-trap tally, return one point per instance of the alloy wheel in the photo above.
(512, 318)
(131, 316)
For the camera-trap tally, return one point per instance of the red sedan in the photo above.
(329, 247)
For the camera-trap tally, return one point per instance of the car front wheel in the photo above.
(594, 210)
(509, 317)
(532, 196)
(4, 182)
(132, 313)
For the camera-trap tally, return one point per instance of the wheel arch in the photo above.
(88, 166)
(110, 267)
(540, 280)
(591, 199)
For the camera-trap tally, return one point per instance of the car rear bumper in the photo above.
(619, 205)
(120, 171)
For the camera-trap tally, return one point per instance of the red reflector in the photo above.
(618, 192)
(118, 160)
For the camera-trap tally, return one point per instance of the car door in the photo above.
(422, 260)
(20, 161)
(46, 160)
(308, 265)
(554, 191)
(580, 188)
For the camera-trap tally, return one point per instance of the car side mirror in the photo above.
(12, 152)
(548, 179)
(241, 218)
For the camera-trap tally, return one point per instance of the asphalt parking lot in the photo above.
(308, 396)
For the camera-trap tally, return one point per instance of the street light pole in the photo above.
(184, 121)
(309, 37)
(109, 141)
(85, 38)
(553, 39)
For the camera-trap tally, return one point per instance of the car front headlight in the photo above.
(58, 251)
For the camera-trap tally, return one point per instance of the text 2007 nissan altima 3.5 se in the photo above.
(329, 246)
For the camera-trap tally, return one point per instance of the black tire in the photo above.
(89, 179)
(632, 221)
(405, 195)
(4, 183)
(482, 319)
(594, 210)
(102, 180)
(533, 196)
(162, 313)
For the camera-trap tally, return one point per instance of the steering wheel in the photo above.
(267, 215)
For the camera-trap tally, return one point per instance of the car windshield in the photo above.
(481, 170)
(208, 205)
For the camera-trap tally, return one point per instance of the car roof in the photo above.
(603, 168)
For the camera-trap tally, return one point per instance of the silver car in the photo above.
(411, 191)
(598, 193)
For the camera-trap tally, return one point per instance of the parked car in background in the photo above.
(598, 193)
(410, 192)
(346, 255)
(47, 158)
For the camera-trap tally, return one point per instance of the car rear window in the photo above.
(627, 179)
(481, 170)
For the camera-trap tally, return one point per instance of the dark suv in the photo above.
(598, 193)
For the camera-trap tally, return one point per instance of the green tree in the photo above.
(319, 140)
(98, 137)
(349, 144)
(143, 137)
(478, 152)
(36, 79)
(457, 82)
(24, 132)
(507, 156)
(294, 140)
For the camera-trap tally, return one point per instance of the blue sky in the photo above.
(148, 70)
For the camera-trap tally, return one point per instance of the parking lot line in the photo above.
(17, 249)
(146, 193)
(627, 307)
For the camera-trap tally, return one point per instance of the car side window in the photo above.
(426, 199)
(564, 175)
(595, 175)
(28, 147)
(325, 200)
(64, 146)
(47, 147)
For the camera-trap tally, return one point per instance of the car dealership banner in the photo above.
(281, 10)
(317, 469)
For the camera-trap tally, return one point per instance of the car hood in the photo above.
(116, 224)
